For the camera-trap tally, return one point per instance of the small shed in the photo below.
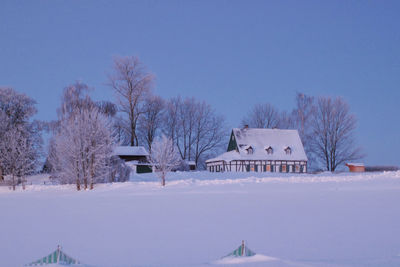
(136, 157)
(191, 165)
(356, 167)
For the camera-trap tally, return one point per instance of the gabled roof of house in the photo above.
(259, 140)
(130, 151)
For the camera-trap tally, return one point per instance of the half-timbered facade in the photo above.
(261, 150)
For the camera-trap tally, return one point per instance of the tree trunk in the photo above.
(13, 182)
(91, 171)
(78, 184)
(163, 180)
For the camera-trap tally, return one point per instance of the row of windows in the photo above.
(264, 168)
(269, 150)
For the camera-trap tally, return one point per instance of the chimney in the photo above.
(246, 126)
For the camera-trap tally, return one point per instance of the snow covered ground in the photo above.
(290, 220)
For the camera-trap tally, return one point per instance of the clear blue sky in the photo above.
(232, 54)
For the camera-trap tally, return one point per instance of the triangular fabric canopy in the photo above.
(56, 257)
(241, 251)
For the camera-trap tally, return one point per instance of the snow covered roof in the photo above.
(355, 164)
(260, 140)
(130, 151)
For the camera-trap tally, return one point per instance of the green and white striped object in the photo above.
(56, 257)
(241, 251)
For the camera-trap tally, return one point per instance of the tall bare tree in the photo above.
(179, 124)
(262, 116)
(286, 121)
(303, 115)
(131, 83)
(194, 127)
(333, 129)
(209, 131)
(150, 123)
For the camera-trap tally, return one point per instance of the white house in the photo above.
(261, 150)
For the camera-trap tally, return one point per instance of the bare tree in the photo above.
(150, 122)
(262, 116)
(194, 128)
(303, 115)
(333, 133)
(285, 121)
(76, 97)
(164, 157)
(180, 120)
(209, 131)
(131, 83)
(170, 125)
(121, 131)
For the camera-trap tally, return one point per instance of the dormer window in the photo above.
(249, 150)
(288, 150)
(269, 150)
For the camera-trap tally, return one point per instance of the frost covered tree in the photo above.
(164, 157)
(18, 151)
(120, 172)
(20, 137)
(131, 84)
(82, 149)
(333, 129)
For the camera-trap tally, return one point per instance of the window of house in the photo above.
(268, 168)
(250, 150)
(284, 168)
(297, 168)
(252, 168)
(288, 151)
(269, 150)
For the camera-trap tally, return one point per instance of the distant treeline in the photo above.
(381, 168)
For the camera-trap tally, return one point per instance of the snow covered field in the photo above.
(292, 220)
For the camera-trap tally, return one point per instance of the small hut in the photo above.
(356, 167)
